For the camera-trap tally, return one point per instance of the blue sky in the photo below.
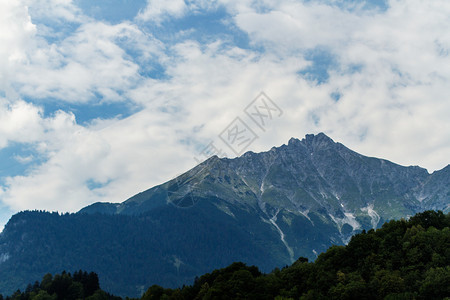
(100, 100)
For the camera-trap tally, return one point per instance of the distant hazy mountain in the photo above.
(265, 209)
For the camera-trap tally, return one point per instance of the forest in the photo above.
(404, 259)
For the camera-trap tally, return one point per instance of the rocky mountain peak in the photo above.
(318, 141)
(309, 144)
(312, 141)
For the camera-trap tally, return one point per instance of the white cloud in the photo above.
(19, 122)
(121, 158)
(304, 26)
(55, 10)
(89, 65)
(158, 10)
(15, 34)
(24, 159)
(130, 155)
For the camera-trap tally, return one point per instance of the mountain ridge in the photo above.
(265, 209)
(310, 143)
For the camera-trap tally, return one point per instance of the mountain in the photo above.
(265, 209)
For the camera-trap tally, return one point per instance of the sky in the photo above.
(100, 100)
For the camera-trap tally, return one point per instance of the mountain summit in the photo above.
(265, 209)
(305, 176)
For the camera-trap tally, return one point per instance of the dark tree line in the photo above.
(64, 286)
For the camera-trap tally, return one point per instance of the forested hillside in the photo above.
(402, 260)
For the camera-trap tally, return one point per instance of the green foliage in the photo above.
(402, 260)
(436, 284)
(64, 286)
